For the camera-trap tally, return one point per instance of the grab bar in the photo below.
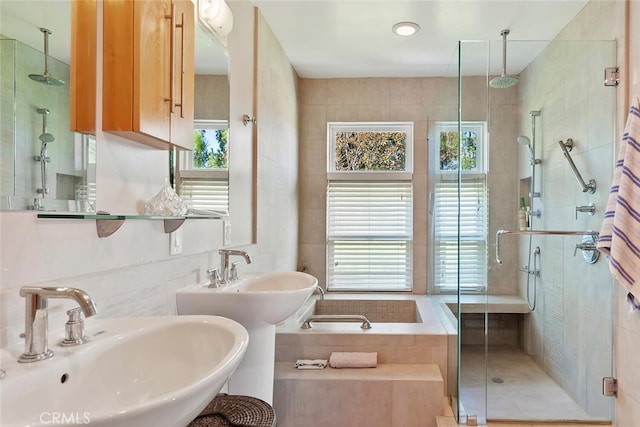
(336, 318)
(595, 235)
(586, 187)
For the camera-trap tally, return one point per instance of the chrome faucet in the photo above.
(320, 291)
(225, 266)
(36, 347)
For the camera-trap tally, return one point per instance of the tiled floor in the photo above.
(450, 422)
(526, 394)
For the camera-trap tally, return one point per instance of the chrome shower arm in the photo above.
(589, 187)
(595, 235)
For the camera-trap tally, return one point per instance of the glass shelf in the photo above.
(107, 224)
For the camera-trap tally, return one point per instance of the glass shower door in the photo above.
(536, 340)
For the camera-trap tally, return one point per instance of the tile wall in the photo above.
(570, 331)
(423, 101)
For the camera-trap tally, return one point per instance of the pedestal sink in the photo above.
(258, 301)
(147, 371)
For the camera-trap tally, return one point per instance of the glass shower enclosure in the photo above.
(542, 342)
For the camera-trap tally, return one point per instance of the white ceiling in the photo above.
(353, 38)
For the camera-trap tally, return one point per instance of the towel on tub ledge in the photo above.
(353, 360)
(311, 363)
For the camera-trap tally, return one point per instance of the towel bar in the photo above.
(336, 318)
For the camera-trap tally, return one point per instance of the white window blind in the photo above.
(205, 193)
(473, 234)
(369, 235)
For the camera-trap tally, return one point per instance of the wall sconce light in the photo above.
(246, 119)
(216, 16)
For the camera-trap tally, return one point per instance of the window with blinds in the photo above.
(472, 263)
(369, 207)
(205, 190)
(202, 175)
(369, 235)
(460, 214)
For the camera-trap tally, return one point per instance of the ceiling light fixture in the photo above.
(406, 28)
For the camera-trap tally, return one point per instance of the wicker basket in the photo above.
(236, 411)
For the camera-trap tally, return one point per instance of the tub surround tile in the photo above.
(403, 394)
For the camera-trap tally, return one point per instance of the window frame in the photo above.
(184, 162)
(481, 147)
(362, 177)
(470, 177)
(334, 127)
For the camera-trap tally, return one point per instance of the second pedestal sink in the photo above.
(257, 298)
(258, 301)
(147, 371)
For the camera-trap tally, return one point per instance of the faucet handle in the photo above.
(214, 277)
(233, 273)
(74, 329)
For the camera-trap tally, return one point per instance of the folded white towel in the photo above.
(353, 360)
(618, 236)
(311, 363)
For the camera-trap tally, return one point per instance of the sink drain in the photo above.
(497, 380)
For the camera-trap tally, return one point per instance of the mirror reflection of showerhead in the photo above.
(45, 137)
(45, 78)
(504, 80)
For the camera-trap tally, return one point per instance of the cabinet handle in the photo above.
(172, 56)
(181, 26)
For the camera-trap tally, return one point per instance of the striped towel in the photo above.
(620, 233)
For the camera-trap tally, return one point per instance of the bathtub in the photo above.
(408, 332)
(404, 329)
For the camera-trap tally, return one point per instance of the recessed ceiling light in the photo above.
(406, 28)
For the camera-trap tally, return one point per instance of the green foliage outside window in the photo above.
(370, 151)
(449, 151)
(208, 155)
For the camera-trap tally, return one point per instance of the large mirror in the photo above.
(202, 176)
(46, 167)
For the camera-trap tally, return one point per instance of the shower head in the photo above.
(45, 137)
(524, 140)
(504, 80)
(45, 77)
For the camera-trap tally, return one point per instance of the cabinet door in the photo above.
(152, 61)
(139, 60)
(82, 86)
(184, 79)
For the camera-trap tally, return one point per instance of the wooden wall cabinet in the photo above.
(148, 71)
(82, 89)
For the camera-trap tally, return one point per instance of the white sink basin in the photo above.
(147, 371)
(259, 297)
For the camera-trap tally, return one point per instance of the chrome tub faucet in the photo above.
(36, 331)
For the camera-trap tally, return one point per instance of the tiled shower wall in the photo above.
(570, 331)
